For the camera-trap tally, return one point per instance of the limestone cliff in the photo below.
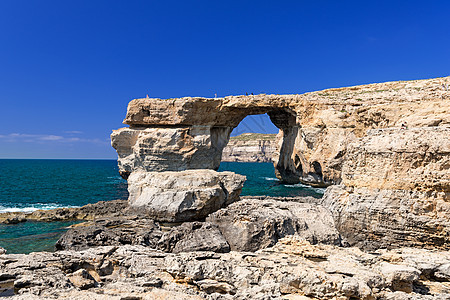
(395, 189)
(315, 128)
(250, 147)
(383, 147)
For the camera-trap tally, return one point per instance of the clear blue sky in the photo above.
(69, 68)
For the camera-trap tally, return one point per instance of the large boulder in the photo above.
(252, 224)
(182, 196)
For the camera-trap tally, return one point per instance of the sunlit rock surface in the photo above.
(315, 128)
(385, 145)
(183, 196)
(395, 189)
(291, 269)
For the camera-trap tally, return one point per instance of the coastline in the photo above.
(380, 231)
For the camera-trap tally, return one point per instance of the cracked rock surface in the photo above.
(291, 269)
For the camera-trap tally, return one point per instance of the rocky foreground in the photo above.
(381, 231)
(255, 248)
(291, 269)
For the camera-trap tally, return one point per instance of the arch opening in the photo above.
(260, 147)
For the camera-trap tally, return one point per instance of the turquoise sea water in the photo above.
(28, 185)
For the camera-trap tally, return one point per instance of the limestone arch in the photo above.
(190, 133)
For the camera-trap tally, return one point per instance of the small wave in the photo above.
(34, 207)
(304, 186)
(270, 178)
(297, 185)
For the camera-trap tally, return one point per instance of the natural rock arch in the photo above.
(190, 133)
(393, 181)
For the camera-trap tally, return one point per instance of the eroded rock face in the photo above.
(169, 149)
(252, 224)
(410, 159)
(183, 196)
(395, 191)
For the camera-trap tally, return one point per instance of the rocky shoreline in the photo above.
(100, 209)
(256, 248)
(381, 230)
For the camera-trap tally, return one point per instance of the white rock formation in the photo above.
(183, 196)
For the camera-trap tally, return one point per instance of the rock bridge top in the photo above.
(340, 107)
(214, 112)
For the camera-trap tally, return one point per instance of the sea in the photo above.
(30, 184)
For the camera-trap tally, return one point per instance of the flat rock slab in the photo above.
(183, 196)
(100, 209)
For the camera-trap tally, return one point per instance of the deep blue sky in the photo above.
(69, 68)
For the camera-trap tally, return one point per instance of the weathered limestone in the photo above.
(183, 196)
(410, 159)
(249, 225)
(169, 149)
(386, 144)
(292, 268)
(194, 236)
(315, 128)
(396, 189)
